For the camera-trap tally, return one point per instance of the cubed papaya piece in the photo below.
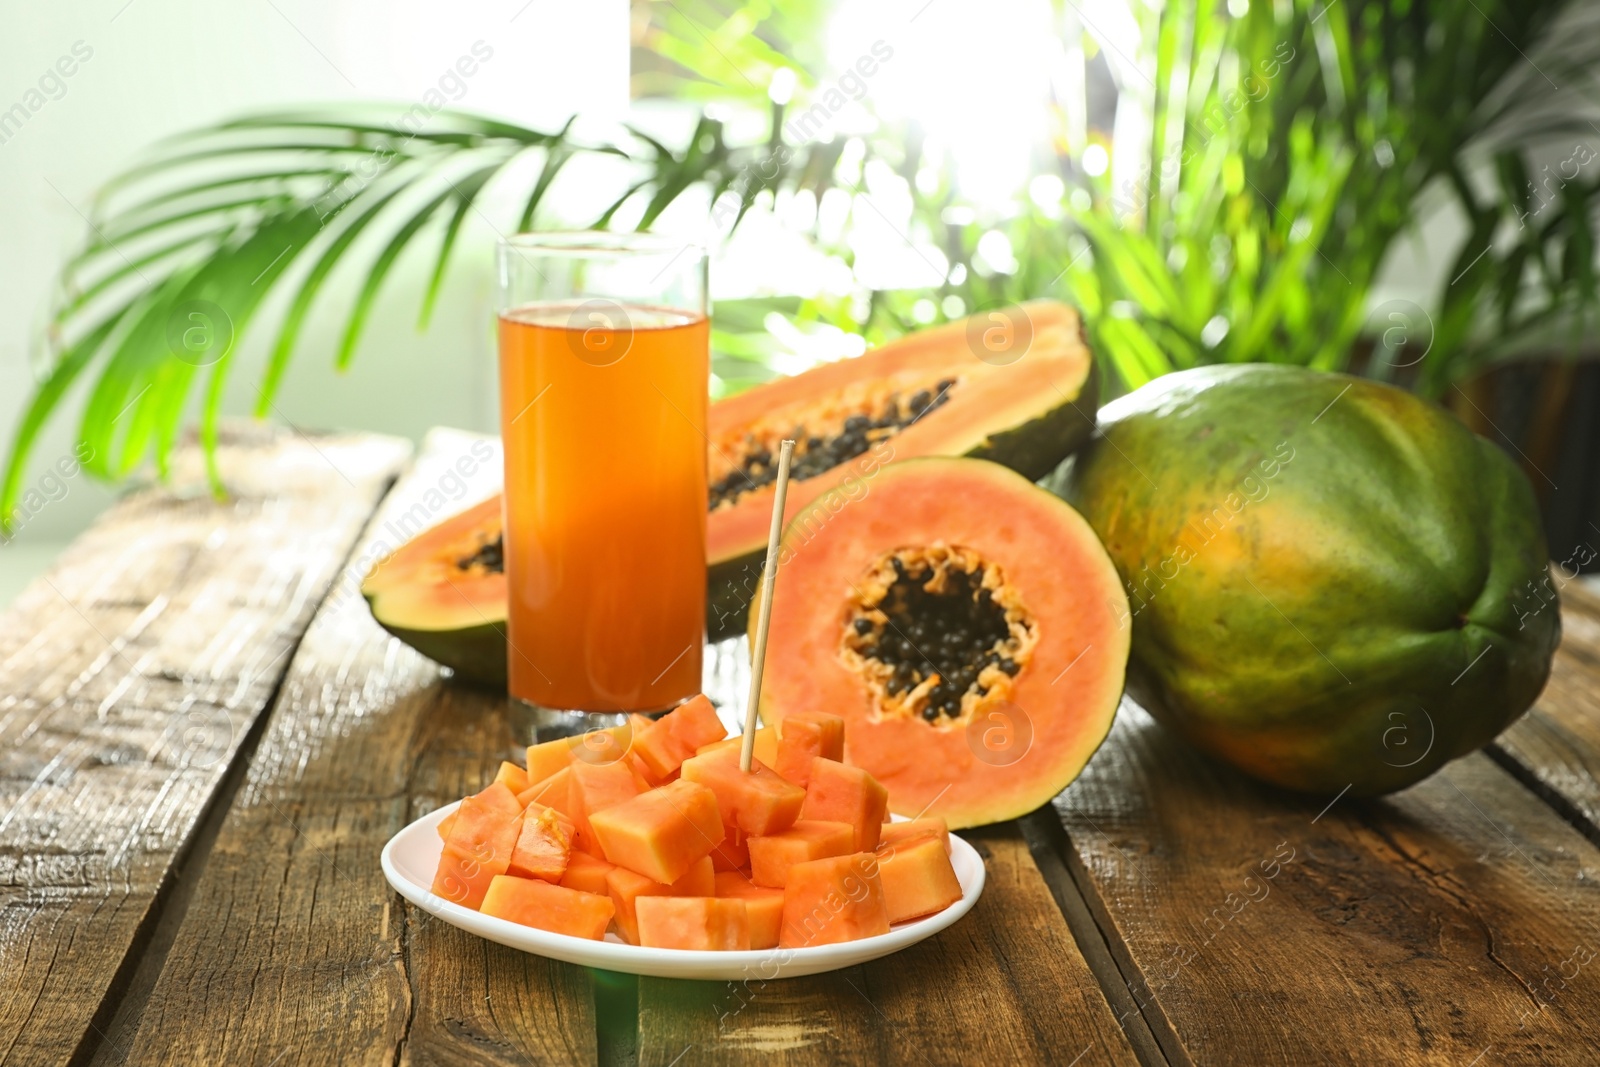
(771, 855)
(463, 879)
(658, 750)
(512, 777)
(479, 846)
(841, 793)
(677, 735)
(805, 736)
(493, 795)
(596, 787)
(832, 900)
(734, 852)
(552, 792)
(696, 923)
(587, 873)
(602, 746)
(596, 746)
(539, 904)
(763, 906)
(660, 834)
(500, 797)
(766, 749)
(626, 887)
(757, 801)
(918, 878)
(695, 722)
(548, 757)
(544, 845)
(642, 770)
(929, 826)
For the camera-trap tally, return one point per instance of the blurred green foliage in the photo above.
(1291, 144)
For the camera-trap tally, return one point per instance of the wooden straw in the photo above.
(758, 651)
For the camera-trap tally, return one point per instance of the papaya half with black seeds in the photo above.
(968, 627)
(1016, 385)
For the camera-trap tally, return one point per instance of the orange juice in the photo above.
(605, 525)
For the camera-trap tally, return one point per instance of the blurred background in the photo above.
(1402, 190)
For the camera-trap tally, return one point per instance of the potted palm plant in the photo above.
(1263, 163)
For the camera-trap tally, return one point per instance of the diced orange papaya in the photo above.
(512, 777)
(594, 788)
(643, 771)
(547, 758)
(700, 881)
(771, 855)
(660, 834)
(841, 793)
(602, 746)
(626, 887)
(587, 873)
(696, 923)
(911, 829)
(463, 879)
(763, 906)
(832, 900)
(496, 795)
(552, 792)
(766, 749)
(695, 722)
(596, 746)
(677, 735)
(805, 736)
(544, 844)
(479, 846)
(757, 801)
(734, 852)
(543, 906)
(658, 751)
(917, 878)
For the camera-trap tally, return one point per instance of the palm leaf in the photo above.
(222, 216)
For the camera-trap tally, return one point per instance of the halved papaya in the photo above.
(1016, 385)
(967, 626)
(444, 594)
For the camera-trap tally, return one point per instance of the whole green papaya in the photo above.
(1331, 582)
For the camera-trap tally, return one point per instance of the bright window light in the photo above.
(974, 76)
(781, 89)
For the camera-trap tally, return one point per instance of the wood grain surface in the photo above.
(294, 949)
(1004, 985)
(130, 675)
(1555, 748)
(197, 775)
(1456, 922)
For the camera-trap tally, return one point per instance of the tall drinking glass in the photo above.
(604, 364)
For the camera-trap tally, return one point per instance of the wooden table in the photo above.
(205, 741)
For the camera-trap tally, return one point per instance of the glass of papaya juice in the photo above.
(604, 366)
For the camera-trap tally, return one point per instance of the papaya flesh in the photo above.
(444, 594)
(1015, 385)
(1331, 583)
(964, 623)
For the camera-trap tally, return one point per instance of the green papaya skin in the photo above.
(1332, 583)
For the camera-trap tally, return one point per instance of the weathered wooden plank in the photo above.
(130, 674)
(1555, 748)
(294, 949)
(1004, 985)
(1456, 922)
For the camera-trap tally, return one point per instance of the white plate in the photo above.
(412, 855)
